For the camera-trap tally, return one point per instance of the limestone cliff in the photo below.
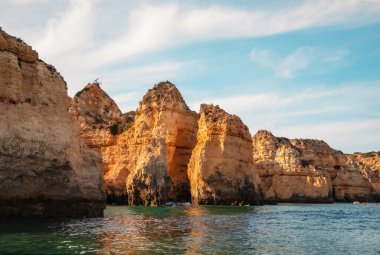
(369, 164)
(96, 112)
(159, 146)
(306, 170)
(101, 121)
(221, 167)
(45, 168)
(144, 153)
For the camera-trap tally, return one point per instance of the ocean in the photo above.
(269, 229)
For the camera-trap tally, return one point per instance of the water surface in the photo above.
(272, 229)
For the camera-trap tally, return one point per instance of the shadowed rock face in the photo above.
(45, 168)
(96, 112)
(221, 167)
(305, 170)
(101, 121)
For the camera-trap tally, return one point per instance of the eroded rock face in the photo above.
(45, 168)
(221, 167)
(159, 146)
(96, 112)
(144, 153)
(306, 170)
(369, 164)
(101, 121)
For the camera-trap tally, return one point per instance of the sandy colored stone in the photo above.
(307, 170)
(369, 164)
(221, 167)
(46, 170)
(95, 112)
(159, 146)
(146, 161)
(16, 46)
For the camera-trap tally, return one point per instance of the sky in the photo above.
(301, 69)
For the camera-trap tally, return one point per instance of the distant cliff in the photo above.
(306, 170)
(46, 170)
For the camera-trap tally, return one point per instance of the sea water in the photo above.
(271, 229)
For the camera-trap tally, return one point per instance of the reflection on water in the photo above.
(283, 229)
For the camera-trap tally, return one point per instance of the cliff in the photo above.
(145, 153)
(306, 170)
(160, 143)
(369, 164)
(95, 112)
(100, 121)
(221, 167)
(46, 170)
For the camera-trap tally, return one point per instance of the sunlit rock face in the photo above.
(46, 170)
(369, 164)
(306, 170)
(145, 153)
(221, 167)
(159, 146)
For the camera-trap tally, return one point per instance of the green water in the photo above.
(280, 229)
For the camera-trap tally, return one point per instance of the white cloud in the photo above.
(303, 114)
(88, 34)
(355, 135)
(297, 61)
(68, 33)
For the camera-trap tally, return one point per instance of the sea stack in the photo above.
(221, 169)
(46, 170)
(160, 143)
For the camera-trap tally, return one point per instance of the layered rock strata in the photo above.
(96, 114)
(101, 121)
(306, 170)
(159, 145)
(369, 164)
(46, 170)
(221, 167)
(145, 153)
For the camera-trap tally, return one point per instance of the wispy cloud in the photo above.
(355, 135)
(297, 61)
(72, 40)
(304, 113)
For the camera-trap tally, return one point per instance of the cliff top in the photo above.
(215, 113)
(18, 47)
(163, 94)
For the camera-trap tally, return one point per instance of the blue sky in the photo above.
(301, 69)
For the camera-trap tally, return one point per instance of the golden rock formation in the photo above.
(46, 170)
(221, 166)
(145, 158)
(306, 170)
(159, 146)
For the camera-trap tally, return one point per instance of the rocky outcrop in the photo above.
(101, 121)
(369, 164)
(221, 167)
(159, 146)
(144, 153)
(96, 114)
(306, 170)
(45, 168)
